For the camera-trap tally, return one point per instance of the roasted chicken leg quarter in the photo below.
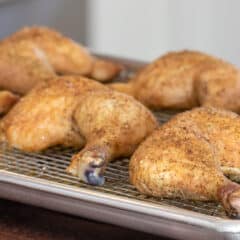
(183, 80)
(178, 162)
(66, 56)
(79, 112)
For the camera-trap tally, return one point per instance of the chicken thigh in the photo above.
(183, 80)
(22, 65)
(219, 86)
(65, 55)
(75, 111)
(178, 162)
(222, 129)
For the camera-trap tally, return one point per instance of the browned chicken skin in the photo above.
(75, 111)
(222, 129)
(22, 65)
(65, 55)
(219, 86)
(186, 158)
(183, 80)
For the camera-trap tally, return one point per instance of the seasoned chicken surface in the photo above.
(178, 162)
(75, 111)
(43, 118)
(22, 65)
(183, 80)
(222, 129)
(219, 87)
(65, 55)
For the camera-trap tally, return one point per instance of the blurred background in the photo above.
(137, 29)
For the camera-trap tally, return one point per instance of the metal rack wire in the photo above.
(51, 164)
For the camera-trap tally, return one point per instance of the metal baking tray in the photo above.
(40, 179)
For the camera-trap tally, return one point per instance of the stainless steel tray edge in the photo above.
(116, 210)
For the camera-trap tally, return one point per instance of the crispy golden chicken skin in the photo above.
(66, 56)
(43, 117)
(222, 129)
(183, 80)
(178, 162)
(79, 112)
(219, 86)
(22, 65)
